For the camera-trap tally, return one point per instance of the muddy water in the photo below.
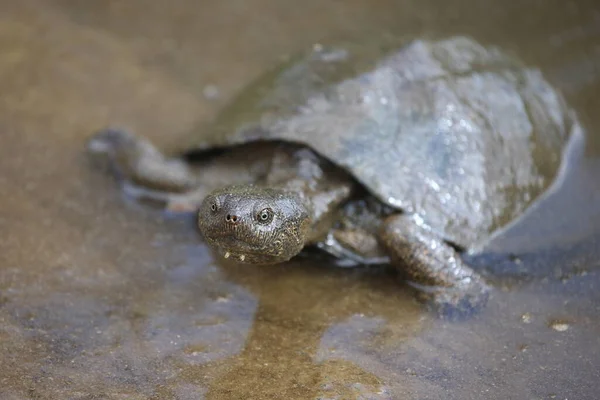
(101, 298)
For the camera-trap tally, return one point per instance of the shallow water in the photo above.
(101, 298)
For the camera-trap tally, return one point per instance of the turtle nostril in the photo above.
(231, 218)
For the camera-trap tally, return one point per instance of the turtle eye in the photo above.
(265, 216)
(214, 204)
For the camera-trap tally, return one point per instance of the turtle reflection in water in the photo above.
(410, 160)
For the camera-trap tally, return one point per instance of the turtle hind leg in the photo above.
(144, 172)
(433, 267)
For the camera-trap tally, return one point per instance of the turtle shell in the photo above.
(462, 135)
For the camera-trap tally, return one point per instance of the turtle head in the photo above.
(255, 225)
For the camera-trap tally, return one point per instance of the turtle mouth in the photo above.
(231, 240)
(231, 247)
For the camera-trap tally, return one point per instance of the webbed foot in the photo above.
(434, 267)
(144, 172)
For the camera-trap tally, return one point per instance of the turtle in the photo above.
(411, 158)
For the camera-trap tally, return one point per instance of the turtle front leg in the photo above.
(433, 266)
(144, 172)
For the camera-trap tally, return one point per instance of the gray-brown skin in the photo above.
(431, 149)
